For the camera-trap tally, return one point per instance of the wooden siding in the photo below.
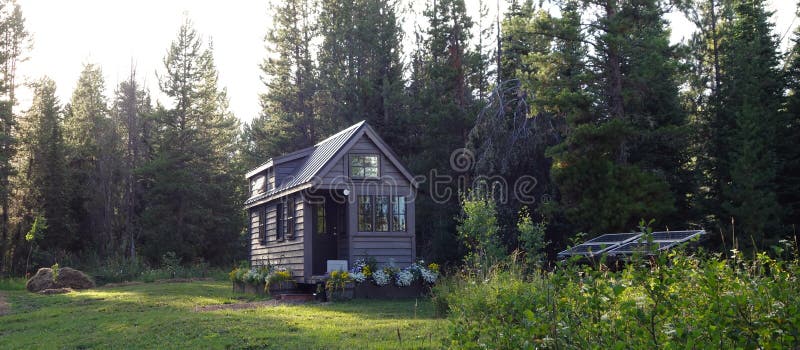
(284, 170)
(339, 173)
(288, 253)
(384, 247)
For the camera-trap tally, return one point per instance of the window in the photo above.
(262, 224)
(279, 217)
(365, 213)
(382, 213)
(364, 165)
(270, 179)
(257, 185)
(398, 214)
(319, 219)
(291, 207)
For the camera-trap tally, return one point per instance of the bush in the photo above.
(674, 301)
(478, 230)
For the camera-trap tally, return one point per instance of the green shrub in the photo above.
(478, 230)
(671, 301)
(531, 238)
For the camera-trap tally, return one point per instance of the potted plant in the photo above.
(340, 286)
(280, 282)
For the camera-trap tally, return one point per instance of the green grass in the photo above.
(163, 316)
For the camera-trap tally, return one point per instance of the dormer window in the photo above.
(364, 165)
(257, 185)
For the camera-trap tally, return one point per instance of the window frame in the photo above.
(270, 173)
(262, 225)
(390, 214)
(370, 215)
(253, 180)
(379, 200)
(279, 221)
(290, 216)
(353, 156)
(395, 212)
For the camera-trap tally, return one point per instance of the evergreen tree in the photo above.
(191, 194)
(132, 110)
(288, 119)
(442, 116)
(361, 73)
(92, 141)
(43, 176)
(788, 180)
(620, 155)
(14, 42)
(747, 120)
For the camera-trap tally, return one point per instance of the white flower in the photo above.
(404, 278)
(428, 275)
(380, 278)
(358, 277)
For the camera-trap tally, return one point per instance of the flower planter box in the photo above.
(249, 288)
(369, 290)
(347, 293)
(283, 287)
(238, 287)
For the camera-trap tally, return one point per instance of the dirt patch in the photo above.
(4, 308)
(242, 306)
(171, 280)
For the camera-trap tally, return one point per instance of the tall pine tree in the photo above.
(191, 193)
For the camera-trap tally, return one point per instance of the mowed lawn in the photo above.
(163, 316)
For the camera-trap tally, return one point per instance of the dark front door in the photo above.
(328, 225)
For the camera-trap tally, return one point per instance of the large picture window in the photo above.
(381, 214)
(364, 165)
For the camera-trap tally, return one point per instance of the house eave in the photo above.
(261, 199)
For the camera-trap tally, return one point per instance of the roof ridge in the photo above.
(346, 130)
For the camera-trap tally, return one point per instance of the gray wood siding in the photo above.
(390, 175)
(284, 170)
(384, 247)
(288, 253)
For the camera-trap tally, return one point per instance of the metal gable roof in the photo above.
(321, 155)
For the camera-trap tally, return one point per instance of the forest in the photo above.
(615, 123)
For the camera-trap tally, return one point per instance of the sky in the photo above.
(119, 34)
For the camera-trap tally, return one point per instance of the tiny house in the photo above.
(345, 198)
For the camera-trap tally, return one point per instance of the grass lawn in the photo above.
(163, 316)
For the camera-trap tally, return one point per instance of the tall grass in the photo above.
(668, 301)
(12, 283)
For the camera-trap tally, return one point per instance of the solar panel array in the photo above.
(631, 243)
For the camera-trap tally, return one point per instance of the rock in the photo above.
(67, 278)
(71, 278)
(43, 279)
